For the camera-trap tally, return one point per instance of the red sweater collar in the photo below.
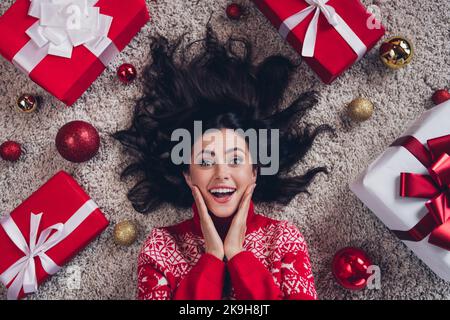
(221, 224)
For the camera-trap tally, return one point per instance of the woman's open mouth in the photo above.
(222, 194)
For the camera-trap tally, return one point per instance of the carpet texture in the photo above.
(331, 218)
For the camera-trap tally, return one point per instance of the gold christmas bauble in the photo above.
(27, 103)
(396, 52)
(360, 109)
(125, 233)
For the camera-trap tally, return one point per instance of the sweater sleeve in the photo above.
(154, 279)
(250, 278)
(204, 281)
(296, 277)
(290, 277)
(152, 284)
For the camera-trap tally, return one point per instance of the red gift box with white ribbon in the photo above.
(45, 232)
(331, 35)
(64, 45)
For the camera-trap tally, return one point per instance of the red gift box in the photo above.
(332, 54)
(75, 220)
(68, 78)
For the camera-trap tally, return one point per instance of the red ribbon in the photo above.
(435, 186)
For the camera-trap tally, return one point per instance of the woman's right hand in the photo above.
(213, 242)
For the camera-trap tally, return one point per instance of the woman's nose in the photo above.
(222, 171)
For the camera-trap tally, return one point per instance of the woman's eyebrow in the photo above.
(212, 153)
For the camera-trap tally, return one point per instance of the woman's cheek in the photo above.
(200, 178)
(244, 176)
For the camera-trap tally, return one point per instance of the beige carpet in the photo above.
(329, 219)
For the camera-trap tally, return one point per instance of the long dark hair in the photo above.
(223, 89)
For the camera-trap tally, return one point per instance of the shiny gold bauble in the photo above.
(360, 109)
(27, 103)
(396, 52)
(125, 233)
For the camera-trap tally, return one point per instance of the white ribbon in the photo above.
(24, 269)
(63, 25)
(333, 19)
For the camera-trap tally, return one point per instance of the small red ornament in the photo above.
(440, 96)
(350, 268)
(234, 11)
(10, 151)
(77, 141)
(126, 73)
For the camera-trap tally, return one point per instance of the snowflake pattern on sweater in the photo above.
(274, 265)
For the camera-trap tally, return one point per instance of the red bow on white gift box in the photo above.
(435, 186)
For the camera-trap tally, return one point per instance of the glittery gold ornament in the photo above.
(125, 233)
(396, 52)
(360, 109)
(27, 103)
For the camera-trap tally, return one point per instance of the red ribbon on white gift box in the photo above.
(333, 18)
(435, 186)
(23, 271)
(63, 25)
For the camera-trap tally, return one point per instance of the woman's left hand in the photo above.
(234, 241)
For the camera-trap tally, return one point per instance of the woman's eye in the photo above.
(206, 163)
(237, 161)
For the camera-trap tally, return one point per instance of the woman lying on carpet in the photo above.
(226, 250)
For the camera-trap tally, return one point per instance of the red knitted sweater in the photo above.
(274, 264)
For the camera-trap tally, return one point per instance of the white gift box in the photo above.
(379, 187)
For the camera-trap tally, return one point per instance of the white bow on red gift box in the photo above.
(63, 25)
(333, 18)
(22, 273)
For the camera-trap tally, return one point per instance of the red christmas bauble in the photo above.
(77, 141)
(234, 11)
(440, 96)
(350, 268)
(10, 151)
(126, 73)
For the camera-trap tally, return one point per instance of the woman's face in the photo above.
(221, 167)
